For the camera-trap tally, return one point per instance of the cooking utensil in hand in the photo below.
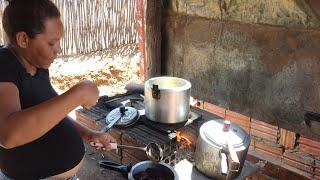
(120, 117)
(153, 150)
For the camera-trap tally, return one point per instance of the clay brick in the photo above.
(316, 177)
(128, 158)
(309, 142)
(287, 138)
(300, 161)
(241, 120)
(113, 156)
(255, 121)
(219, 111)
(294, 174)
(263, 135)
(275, 168)
(309, 146)
(317, 165)
(317, 171)
(116, 134)
(252, 142)
(127, 140)
(265, 129)
(299, 157)
(236, 115)
(268, 153)
(198, 103)
(311, 150)
(246, 129)
(87, 121)
(269, 148)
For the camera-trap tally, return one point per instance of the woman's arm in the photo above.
(94, 136)
(18, 127)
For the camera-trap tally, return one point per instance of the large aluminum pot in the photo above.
(167, 99)
(221, 153)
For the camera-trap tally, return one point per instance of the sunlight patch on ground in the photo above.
(110, 69)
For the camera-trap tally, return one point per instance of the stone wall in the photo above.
(259, 58)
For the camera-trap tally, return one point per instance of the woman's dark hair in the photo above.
(28, 16)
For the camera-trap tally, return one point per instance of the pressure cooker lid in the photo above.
(213, 132)
(127, 116)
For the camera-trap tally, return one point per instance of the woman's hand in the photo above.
(88, 93)
(101, 141)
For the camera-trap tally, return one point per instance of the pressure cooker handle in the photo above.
(234, 165)
(115, 166)
(155, 91)
(233, 156)
(224, 163)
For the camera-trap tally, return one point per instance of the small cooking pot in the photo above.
(221, 149)
(167, 99)
(146, 170)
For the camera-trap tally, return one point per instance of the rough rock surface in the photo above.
(287, 13)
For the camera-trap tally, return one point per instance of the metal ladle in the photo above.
(153, 150)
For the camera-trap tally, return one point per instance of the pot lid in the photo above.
(127, 115)
(213, 132)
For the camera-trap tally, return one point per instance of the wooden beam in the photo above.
(153, 37)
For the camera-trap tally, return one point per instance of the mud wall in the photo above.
(259, 58)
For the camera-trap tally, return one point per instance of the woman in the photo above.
(37, 139)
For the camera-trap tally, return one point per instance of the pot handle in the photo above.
(224, 163)
(155, 91)
(115, 166)
(234, 164)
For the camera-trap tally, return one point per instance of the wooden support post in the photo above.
(149, 14)
(153, 37)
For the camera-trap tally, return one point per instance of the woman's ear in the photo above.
(22, 39)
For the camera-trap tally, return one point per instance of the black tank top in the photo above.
(57, 151)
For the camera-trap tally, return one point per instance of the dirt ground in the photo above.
(111, 70)
(90, 169)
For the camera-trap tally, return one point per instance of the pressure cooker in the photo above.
(221, 149)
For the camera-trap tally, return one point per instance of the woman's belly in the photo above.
(58, 152)
(70, 172)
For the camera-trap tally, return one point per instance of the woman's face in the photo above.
(44, 48)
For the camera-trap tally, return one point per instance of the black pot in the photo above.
(146, 170)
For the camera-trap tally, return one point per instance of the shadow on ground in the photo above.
(91, 171)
